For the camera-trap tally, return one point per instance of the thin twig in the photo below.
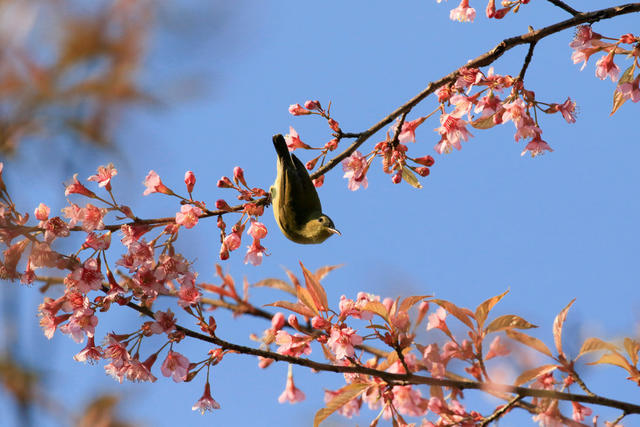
(564, 6)
(480, 61)
(617, 420)
(501, 411)
(527, 61)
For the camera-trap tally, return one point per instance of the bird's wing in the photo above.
(312, 200)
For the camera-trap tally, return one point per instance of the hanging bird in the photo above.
(296, 205)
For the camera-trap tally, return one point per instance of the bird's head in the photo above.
(319, 229)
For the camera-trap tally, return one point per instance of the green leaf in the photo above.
(410, 177)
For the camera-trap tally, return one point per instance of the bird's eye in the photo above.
(320, 219)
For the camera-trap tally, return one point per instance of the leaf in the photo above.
(594, 344)
(409, 302)
(316, 290)
(322, 272)
(530, 341)
(557, 327)
(293, 306)
(378, 308)
(632, 346)
(462, 314)
(618, 99)
(275, 284)
(305, 298)
(410, 177)
(292, 277)
(531, 374)
(484, 123)
(345, 394)
(616, 359)
(509, 321)
(483, 309)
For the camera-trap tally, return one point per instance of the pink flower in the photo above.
(165, 322)
(463, 13)
(355, 170)
(463, 105)
(77, 188)
(568, 110)
(515, 111)
(583, 37)
(579, 412)
(487, 105)
(293, 140)
(206, 402)
(291, 393)
(104, 175)
(536, 147)
(141, 371)
(175, 366)
(189, 180)
(292, 345)
(74, 213)
(154, 184)
(432, 361)
(497, 348)
(54, 227)
(298, 110)
(605, 67)
(453, 129)
(42, 212)
(82, 322)
(86, 278)
(92, 218)
(90, 353)
(232, 241)
(99, 243)
(188, 294)
(408, 132)
(437, 320)
(255, 253)
(188, 216)
(257, 230)
(630, 90)
(342, 341)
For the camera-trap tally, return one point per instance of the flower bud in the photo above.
(224, 182)
(42, 212)
(331, 145)
(238, 175)
(313, 105)
(425, 161)
(422, 171)
(334, 125)
(189, 180)
(397, 178)
(222, 205)
(298, 110)
(277, 321)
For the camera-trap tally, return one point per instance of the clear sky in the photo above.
(559, 226)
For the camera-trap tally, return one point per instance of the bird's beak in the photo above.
(333, 230)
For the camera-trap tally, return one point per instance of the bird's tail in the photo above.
(282, 150)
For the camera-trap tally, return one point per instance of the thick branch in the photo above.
(481, 61)
(405, 379)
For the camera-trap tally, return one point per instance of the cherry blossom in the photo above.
(154, 184)
(291, 393)
(104, 175)
(175, 366)
(206, 402)
(293, 140)
(188, 216)
(463, 13)
(342, 341)
(355, 170)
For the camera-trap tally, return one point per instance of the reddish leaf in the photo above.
(293, 306)
(530, 341)
(508, 321)
(322, 272)
(534, 373)
(276, 284)
(594, 344)
(462, 314)
(345, 395)
(409, 302)
(483, 309)
(557, 327)
(616, 359)
(376, 307)
(632, 346)
(304, 296)
(315, 289)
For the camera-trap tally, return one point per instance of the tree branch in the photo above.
(564, 6)
(403, 379)
(480, 61)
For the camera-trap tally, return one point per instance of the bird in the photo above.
(296, 205)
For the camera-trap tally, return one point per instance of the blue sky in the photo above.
(559, 226)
